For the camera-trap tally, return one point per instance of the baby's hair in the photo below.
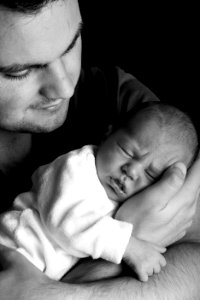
(176, 123)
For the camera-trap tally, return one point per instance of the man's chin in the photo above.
(32, 127)
(49, 120)
(46, 127)
(50, 125)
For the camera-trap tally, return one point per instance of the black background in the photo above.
(155, 42)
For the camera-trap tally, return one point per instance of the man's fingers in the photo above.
(10, 259)
(9, 256)
(5, 256)
(189, 192)
(193, 177)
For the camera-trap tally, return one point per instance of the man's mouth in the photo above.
(51, 106)
(117, 186)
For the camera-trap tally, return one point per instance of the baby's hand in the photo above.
(144, 258)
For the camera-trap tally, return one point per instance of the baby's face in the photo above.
(131, 159)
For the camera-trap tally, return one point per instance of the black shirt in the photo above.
(100, 98)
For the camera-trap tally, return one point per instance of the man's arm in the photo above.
(179, 280)
(19, 279)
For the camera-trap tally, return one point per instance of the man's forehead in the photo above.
(27, 38)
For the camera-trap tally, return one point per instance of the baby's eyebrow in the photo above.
(15, 68)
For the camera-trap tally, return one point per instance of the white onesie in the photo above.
(66, 216)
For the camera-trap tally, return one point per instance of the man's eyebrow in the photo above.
(14, 68)
(76, 36)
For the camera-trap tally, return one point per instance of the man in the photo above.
(40, 63)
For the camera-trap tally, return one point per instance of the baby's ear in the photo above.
(108, 132)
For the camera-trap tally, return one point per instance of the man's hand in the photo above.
(163, 212)
(19, 279)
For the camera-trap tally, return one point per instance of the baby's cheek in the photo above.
(136, 186)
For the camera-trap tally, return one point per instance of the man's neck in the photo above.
(14, 148)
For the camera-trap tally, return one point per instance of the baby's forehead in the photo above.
(159, 142)
(169, 153)
(162, 135)
(146, 131)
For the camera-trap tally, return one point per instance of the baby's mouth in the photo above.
(118, 186)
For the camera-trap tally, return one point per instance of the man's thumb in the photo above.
(174, 177)
(169, 184)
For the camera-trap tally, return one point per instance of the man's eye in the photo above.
(18, 76)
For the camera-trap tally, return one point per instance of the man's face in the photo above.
(132, 159)
(40, 61)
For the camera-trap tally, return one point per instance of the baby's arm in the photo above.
(109, 239)
(144, 258)
(106, 238)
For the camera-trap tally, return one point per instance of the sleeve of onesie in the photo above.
(104, 238)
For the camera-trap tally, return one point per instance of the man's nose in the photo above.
(132, 170)
(56, 82)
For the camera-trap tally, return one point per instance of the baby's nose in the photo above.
(132, 170)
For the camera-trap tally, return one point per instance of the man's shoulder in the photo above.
(102, 96)
(110, 76)
(118, 88)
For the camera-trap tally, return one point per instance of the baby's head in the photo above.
(143, 146)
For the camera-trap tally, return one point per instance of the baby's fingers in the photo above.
(162, 261)
(159, 249)
(162, 249)
(143, 277)
(157, 269)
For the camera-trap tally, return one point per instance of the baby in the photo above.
(69, 213)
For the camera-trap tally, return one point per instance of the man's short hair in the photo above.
(25, 6)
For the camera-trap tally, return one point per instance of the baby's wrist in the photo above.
(130, 247)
